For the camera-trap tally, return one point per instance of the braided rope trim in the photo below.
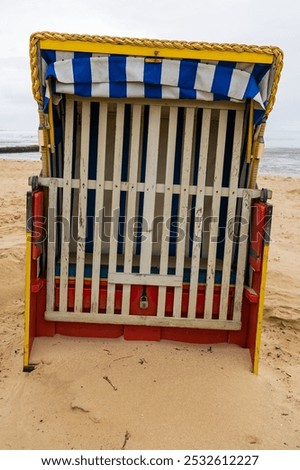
(156, 43)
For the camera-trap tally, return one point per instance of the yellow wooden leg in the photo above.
(261, 308)
(27, 301)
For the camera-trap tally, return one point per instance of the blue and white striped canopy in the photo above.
(117, 76)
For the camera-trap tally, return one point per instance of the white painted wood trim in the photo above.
(115, 204)
(99, 206)
(199, 210)
(231, 212)
(150, 188)
(66, 206)
(242, 256)
(51, 246)
(160, 187)
(228, 105)
(148, 320)
(183, 203)
(212, 250)
(145, 279)
(167, 207)
(135, 144)
(82, 204)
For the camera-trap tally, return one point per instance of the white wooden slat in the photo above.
(146, 320)
(231, 210)
(199, 212)
(167, 207)
(242, 255)
(99, 203)
(228, 105)
(51, 249)
(66, 206)
(131, 200)
(216, 199)
(150, 188)
(160, 188)
(76, 173)
(115, 205)
(145, 279)
(82, 205)
(183, 203)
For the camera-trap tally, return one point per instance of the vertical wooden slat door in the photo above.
(150, 145)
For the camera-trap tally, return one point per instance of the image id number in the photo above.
(220, 460)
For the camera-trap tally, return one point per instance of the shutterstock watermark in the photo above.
(138, 229)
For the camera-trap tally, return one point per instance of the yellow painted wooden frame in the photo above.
(152, 51)
(260, 314)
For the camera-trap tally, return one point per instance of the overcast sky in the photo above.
(262, 22)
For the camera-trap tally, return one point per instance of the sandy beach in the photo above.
(163, 395)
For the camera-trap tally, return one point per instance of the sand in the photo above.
(163, 395)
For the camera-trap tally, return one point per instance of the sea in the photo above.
(276, 160)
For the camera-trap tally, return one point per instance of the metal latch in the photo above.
(265, 194)
(144, 302)
(33, 181)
